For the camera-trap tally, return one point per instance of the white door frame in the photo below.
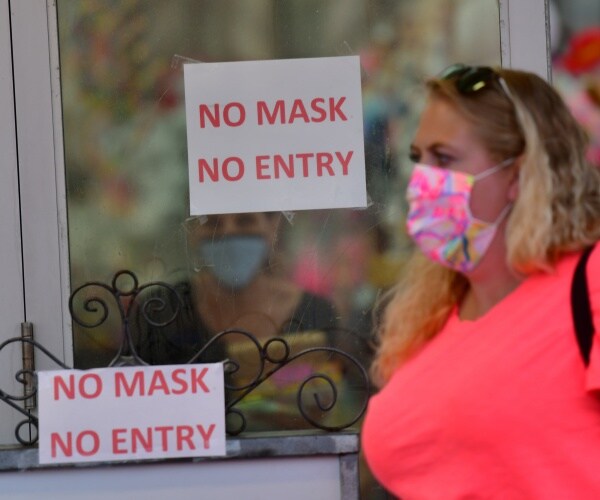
(42, 175)
(525, 36)
(11, 267)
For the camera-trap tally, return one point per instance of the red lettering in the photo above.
(288, 168)
(335, 108)
(203, 166)
(240, 167)
(261, 166)
(82, 386)
(163, 431)
(206, 435)
(324, 162)
(179, 381)
(185, 433)
(57, 441)
(95, 443)
(241, 112)
(136, 440)
(320, 110)
(197, 380)
(305, 157)
(298, 112)
(136, 385)
(262, 111)
(213, 172)
(117, 440)
(69, 391)
(344, 160)
(144, 441)
(214, 118)
(158, 383)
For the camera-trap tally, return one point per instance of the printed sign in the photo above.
(131, 413)
(275, 135)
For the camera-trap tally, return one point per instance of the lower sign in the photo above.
(131, 413)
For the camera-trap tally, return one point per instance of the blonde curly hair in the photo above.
(557, 210)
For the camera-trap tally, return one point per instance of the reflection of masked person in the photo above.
(234, 260)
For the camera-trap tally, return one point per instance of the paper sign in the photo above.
(131, 413)
(275, 135)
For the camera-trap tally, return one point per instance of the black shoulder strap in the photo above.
(581, 307)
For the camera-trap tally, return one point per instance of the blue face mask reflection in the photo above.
(233, 260)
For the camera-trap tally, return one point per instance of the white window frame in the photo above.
(525, 36)
(12, 305)
(42, 175)
(44, 275)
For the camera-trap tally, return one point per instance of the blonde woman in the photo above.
(484, 391)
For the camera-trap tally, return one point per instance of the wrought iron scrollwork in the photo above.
(123, 298)
(270, 363)
(96, 301)
(30, 423)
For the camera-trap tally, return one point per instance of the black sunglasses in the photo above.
(471, 79)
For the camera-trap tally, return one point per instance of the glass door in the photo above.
(98, 100)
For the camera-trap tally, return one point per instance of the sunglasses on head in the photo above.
(471, 79)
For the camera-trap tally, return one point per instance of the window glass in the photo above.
(575, 42)
(314, 275)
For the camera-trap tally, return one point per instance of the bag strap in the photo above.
(581, 308)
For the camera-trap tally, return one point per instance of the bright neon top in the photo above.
(500, 407)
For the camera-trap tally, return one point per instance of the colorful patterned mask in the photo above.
(440, 219)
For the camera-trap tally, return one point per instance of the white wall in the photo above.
(314, 478)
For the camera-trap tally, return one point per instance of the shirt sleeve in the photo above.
(593, 278)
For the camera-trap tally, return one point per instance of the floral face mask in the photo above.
(440, 220)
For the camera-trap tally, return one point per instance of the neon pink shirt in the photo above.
(500, 407)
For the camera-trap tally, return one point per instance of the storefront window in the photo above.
(320, 271)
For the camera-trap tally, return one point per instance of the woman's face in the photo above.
(446, 139)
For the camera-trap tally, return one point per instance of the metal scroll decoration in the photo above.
(26, 431)
(317, 393)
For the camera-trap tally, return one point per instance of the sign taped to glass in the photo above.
(131, 413)
(275, 135)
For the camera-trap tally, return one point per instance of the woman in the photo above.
(485, 393)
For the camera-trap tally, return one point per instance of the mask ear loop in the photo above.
(505, 211)
(494, 169)
(489, 172)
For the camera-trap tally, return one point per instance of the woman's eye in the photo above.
(414, 156)
(443, 160)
